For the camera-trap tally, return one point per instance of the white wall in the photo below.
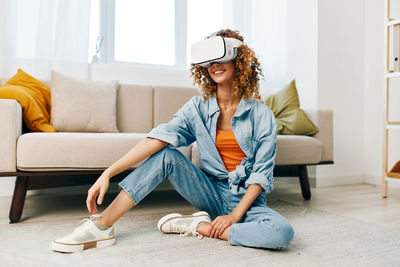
(340, 86)
(326, 56)
(373, 90)
(284, 36)
(266, 30)
(303, 49)
(351, 56)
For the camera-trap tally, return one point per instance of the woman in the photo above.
(236, 139)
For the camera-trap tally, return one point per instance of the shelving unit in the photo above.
(392, 71)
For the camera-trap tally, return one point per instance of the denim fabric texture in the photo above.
(254, 127)
(213, 188)
(260, 226)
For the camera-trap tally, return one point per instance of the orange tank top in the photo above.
(229, 149)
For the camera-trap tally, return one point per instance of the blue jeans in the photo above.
(260, 226)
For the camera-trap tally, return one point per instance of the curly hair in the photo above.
(247, 72)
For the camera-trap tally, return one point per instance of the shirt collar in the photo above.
(242, 108)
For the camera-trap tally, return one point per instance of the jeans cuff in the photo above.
(230, 240)
(122, 186)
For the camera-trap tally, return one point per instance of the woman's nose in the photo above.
(212, 64)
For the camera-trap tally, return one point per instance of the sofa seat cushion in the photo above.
(291, 150)
(297, 149)
(75, 151)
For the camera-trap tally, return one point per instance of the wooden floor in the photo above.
(370, 237)
(360, 201)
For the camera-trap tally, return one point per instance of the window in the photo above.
(151, 32)
(24, 27)
(204, 18)
(95, 39)
(145, 31)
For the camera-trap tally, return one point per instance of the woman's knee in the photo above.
(287, 233)
(170, 160)
(281, 235)
(167, 154)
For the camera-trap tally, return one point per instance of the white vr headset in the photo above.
(214, 49)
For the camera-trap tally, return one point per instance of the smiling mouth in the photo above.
(218, 72)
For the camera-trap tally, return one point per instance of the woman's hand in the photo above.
(99, 188)
(219, 225)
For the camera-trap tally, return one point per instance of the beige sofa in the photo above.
(43, 160)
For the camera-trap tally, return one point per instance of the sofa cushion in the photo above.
(83, 106)
(135, 108)
(297, 149)
(34, 98)
(290, 118)
(291, 150)
(168, 100)
(75, 151)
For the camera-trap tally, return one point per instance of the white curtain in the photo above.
(43, 35)
(264, 25)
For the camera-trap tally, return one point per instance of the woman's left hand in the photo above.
(219, 225)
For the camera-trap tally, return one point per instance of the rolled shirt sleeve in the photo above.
(177, 132)
(265, 151)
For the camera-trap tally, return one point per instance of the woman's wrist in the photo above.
(106, 174)
(237, 216)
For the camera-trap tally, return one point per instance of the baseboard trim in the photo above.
(377, 180)
(339, 180)
(372, 179)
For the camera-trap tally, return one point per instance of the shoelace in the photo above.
(84, 225)
(185, 230)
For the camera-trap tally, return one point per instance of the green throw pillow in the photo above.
(290, 118)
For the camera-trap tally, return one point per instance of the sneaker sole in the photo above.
(166, 218)
(171, 216)
(68, 248)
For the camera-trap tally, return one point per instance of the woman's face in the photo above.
(222, 73)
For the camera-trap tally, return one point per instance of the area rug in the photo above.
(321, 239)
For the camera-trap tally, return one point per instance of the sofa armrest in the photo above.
(10, 130)
(323, 119)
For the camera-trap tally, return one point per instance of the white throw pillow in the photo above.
(83, 106)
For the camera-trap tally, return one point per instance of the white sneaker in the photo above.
(183, 225)
(85, 236)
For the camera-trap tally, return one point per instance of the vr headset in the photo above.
(214, 49)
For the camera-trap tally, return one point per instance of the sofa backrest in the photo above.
(168, 100)
(141, 108)
(135, 108)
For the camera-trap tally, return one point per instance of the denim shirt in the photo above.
(254, 127)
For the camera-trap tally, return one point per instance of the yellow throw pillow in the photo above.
(34, 98)
(290, 118)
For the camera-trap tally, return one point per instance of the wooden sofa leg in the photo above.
(17, 204)
(304, 183)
